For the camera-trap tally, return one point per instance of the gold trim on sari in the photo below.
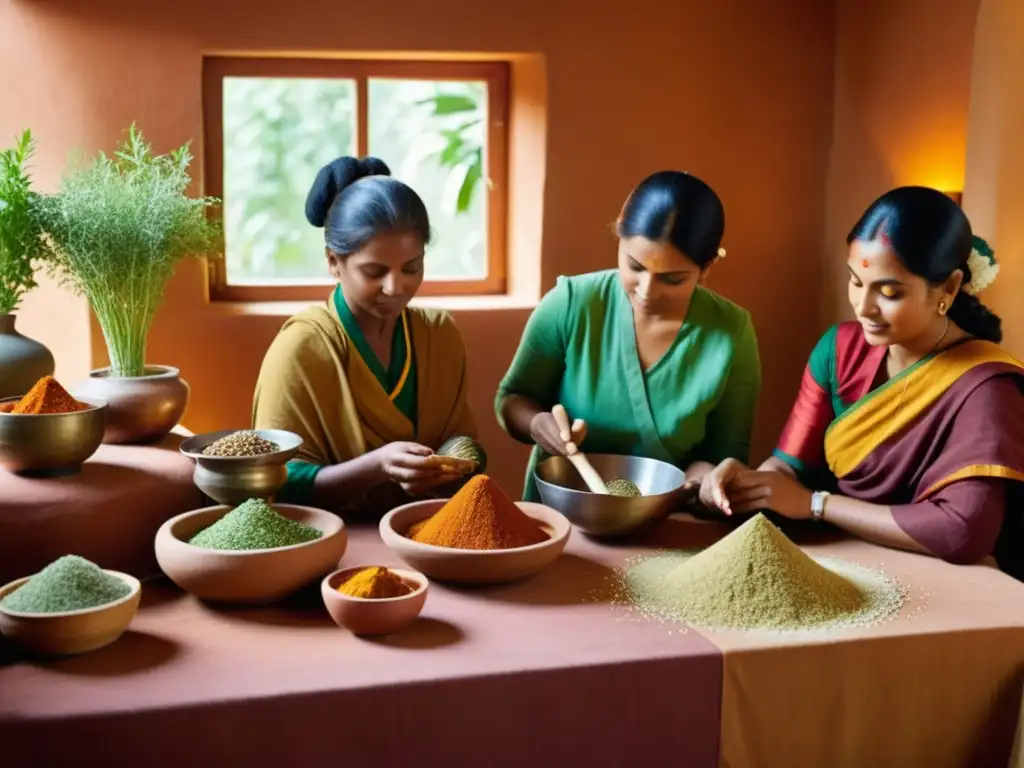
(895, 406)
(974, 470)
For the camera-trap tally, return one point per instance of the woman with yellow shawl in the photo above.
(372, 386)
(908, 429)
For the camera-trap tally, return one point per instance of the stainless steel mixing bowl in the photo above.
(561, 487)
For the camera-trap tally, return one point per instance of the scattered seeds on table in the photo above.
(757, 579)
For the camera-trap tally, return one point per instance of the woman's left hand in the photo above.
(686, 496)
(774, 491)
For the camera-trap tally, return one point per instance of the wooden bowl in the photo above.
(250, 575)
(67, 633)
(363, 616)
(474, 566)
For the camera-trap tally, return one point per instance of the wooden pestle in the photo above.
(573, 454)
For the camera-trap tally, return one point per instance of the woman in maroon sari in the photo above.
(908, 430)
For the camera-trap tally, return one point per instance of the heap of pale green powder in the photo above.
(622, 487)
(69, 583)
(254, 524)
(756, 578)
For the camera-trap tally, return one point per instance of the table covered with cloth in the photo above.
(548, 671)
(108, 512)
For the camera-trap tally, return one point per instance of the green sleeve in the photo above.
(731, 422)
(298, 488)
(539, 363)
(822, 363)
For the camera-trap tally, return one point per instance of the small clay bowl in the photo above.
(363, 616)
(68, 633)
(474, 566)
(248, 575)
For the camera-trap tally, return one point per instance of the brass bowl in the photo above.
(232, 480)
(51, 444)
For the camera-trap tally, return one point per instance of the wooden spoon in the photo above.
(576, 458)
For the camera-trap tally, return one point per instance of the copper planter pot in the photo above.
(140, 409)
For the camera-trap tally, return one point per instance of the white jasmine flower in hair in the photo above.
(983, 265)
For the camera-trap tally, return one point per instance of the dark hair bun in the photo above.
(333, 178)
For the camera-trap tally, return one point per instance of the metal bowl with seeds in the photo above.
(238, 470)
(659, 483)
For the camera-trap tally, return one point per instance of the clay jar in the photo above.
(23, 361)
(141, 409)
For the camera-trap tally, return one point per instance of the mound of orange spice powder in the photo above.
(46, 396)
(374, 583)
(479, 516)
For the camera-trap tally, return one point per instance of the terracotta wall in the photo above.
(994, 194)
(903, 82)
(738, 91)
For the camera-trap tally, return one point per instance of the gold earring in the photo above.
(942, 308)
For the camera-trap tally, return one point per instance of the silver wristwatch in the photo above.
(818, 499)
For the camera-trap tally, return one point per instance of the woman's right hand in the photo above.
(714, 486)
(545, 432)
(410, 466)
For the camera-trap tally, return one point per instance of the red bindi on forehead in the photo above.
(881, 239)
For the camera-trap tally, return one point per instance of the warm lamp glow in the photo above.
(956, 197)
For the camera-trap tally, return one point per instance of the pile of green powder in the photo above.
(254, 524)
(756, 578)
(69, 583)
(622, 487)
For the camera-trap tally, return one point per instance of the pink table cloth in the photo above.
(543, 672)
(549, 671)
(108, 512)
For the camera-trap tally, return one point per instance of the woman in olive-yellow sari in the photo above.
(372, 386)
(908, 429)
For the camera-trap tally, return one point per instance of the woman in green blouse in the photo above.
(647, 361)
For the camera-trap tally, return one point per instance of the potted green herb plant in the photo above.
(118, 227)
(22, 360)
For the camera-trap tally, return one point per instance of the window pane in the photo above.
(432, 135)
(278, 132)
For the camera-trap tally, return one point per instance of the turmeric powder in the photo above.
(374, 583)
(47, 397)
(8, 407)
(479, 516)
